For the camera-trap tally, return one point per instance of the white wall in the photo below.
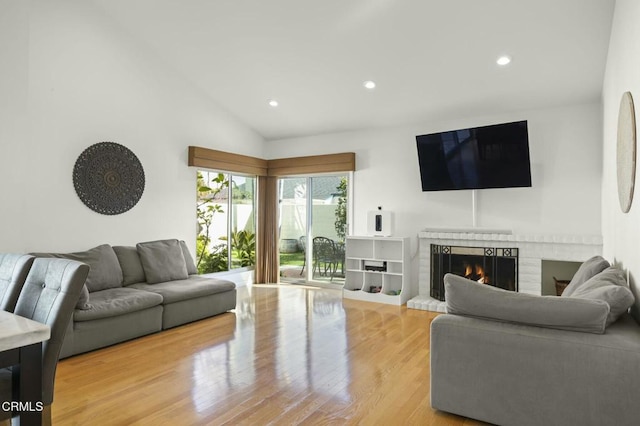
(14, 36)
(70, 77)
(565, 148)
(621, 232)
(566, 170)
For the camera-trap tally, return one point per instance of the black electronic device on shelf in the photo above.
(375, 266)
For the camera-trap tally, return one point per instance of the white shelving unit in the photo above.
(390, 284)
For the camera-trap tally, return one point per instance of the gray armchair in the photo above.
(13, 273)
(49, 296)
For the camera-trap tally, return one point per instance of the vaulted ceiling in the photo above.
(430, 59)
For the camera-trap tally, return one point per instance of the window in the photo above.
(226, 235)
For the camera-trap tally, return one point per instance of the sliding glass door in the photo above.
(313, 225)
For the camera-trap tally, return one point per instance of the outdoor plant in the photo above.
(243, 244)
(213, 259)
(209, 259)
(341, 210)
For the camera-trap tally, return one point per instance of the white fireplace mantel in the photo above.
(532, 248)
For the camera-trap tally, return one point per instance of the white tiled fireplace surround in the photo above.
(532, 250)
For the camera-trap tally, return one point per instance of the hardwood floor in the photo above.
(287, 355)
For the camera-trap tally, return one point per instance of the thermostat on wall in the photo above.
(380, 223)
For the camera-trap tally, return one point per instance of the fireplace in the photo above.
(493, 266)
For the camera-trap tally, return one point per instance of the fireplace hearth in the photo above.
(493, 266)
(533, 250)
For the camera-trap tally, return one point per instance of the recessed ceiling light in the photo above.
(503, 60)
(369, 84)
(273, 103)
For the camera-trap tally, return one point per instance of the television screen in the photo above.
(495, 156)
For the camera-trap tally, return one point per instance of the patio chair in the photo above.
(324, 256)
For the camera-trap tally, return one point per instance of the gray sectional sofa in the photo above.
(135, 291)
(515, 359)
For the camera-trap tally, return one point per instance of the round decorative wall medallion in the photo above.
(108, 178)
(626, 151)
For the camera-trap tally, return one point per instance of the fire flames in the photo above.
(476, 273)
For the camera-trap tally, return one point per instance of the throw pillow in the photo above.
(105, 269)
(588, 269)
(132, 271)
(83, 300)
(609, 285)
(162, 261)
(188, 259)
(469, 298)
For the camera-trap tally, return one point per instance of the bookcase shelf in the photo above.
(377, 269)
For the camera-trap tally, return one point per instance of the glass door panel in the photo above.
(243, 230)
(212, 207)
(293, 229)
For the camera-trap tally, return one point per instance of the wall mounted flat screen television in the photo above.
(495, 156)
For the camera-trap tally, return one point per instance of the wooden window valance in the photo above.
(344, 162)
(226, 161)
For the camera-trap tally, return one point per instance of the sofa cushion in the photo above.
(588, 269)
(188, 259)
(609, 285)
(470, 298)
(83, 299)
(105, 269)
(132, 271)
(162, 261)
(117, 301)
(193, 287)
